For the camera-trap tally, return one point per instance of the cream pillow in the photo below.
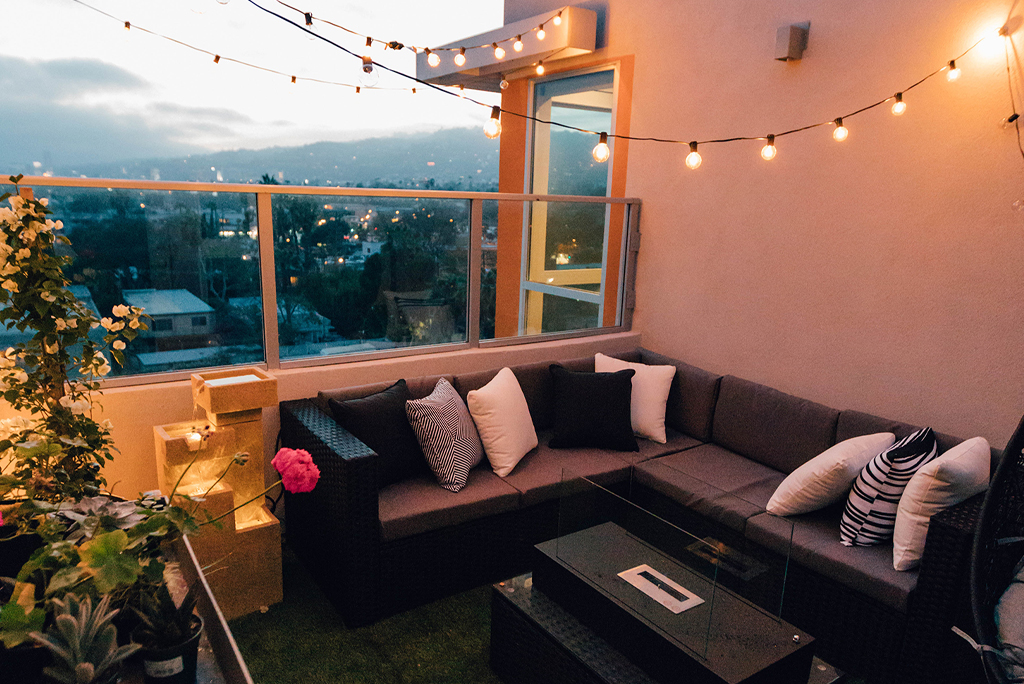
(955, 476)
(503, 420)
(827, 477)
(651, 385)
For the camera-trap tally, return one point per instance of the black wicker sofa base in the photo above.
(371, 567)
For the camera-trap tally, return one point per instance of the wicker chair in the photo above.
(997, 549)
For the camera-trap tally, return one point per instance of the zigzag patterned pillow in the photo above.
(446, 434)
(870, 514)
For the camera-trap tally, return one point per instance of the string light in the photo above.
(368, 76)
(518, 45)
(899, 106)
(503, 84)
(557, 21)
(841, 132)
(601, 150)
(540, 68)
(127, 26)
(492, 129)
(309, 18)
(768, 152)
(541, 33)
(499, 52)
(433, 59)
(460, 58)
(693, 159)
(954, 71)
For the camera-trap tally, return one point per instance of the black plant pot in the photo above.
(15, 551)
(174, 665)
(23, 664)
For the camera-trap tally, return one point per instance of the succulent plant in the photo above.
(83, 642)
(98, 513)
(165, 624)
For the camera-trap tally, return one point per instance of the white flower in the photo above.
(48, 297)
(44, 201)
(20, 376)
(7, 216)
(16, 202)
(10, 285)
(117, 326)
(134, 323)
(118, 345)
(59, 322)
(28, 235)
(77, 407)
(121, 310)
(23, 254)
(72, 322)
(104, 369)
(51, 348)
(59, 225)
(107, 322)
(9, 269)
(94, 324)
(106, 424)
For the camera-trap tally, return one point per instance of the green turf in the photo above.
(303, 640)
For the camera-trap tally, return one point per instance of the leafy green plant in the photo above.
(83, 642)
(165, 624)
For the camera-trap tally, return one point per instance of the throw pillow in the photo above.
(592, 410)
(955, 476)
(827, 477)
(446, 434)
(651, 386)
(503, 420)
(379, 422)
(870, 513)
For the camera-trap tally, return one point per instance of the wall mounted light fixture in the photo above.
(791, 41)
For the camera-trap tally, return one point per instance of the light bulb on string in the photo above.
(499, 52)
(540, 68)
(309, 18)
(368, 76)
(492, 129)
(693, 159)
(518, 45)
(433, 59)
(557, 21)
(953, 72)
(460, 59)
(601, 150)
(899, 106)
(540, 32)
(503, 84)
(841, 132)
(768, 152)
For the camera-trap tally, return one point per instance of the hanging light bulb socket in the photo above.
(369, 41)
(899, 106)
(952, 71)
(216, 59)
(518, 45)
(540, 68)
(601, 150)
(127, 26)
(841, 132)
(499, 52)
(294, 79)
(368, 75)
(460, 59)
(541, 33)
(309, 18)
(492, 129)
(768, 152)
(693, 160)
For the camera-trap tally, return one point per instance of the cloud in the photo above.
(63, 78)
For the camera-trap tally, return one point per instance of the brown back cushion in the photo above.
(418, 388)
(691, 401)
(771, 427)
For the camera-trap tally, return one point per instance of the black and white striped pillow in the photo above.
(870, 514)
(447, 435)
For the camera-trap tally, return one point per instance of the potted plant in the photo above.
(169, 636)
(83, 642)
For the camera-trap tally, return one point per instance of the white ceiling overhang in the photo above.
(576, 35)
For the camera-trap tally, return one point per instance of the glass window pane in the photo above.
(361, 274)
(190, 259)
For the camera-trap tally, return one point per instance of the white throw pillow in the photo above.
(827, 477)
(503, 420)
(651, 385)
(955, 476)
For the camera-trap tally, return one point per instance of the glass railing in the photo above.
(286, 276)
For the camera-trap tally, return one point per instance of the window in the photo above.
(199, 321)
(163, 324)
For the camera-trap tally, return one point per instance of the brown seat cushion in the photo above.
(691, 401)
(769, 426)
(539, 475)
(675, 441)
(815, 545)
(712, 481)
(420, 504)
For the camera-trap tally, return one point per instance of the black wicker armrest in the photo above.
(335, 529)
(941, 598)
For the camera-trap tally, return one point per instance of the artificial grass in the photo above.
(303, 640)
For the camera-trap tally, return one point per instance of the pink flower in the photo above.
(298, 472)
(1, 518)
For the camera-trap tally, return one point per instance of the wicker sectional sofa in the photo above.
(380, 552)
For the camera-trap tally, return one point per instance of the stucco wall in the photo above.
(885, 273)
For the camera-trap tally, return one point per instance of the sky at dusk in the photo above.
(78, 87)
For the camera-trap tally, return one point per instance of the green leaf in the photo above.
(16, 625)
(63, 580)
(105, 559)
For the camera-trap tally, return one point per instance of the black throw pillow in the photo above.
(592, 410)
(379, 422)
